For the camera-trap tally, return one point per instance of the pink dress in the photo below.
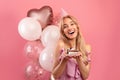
(71, 71)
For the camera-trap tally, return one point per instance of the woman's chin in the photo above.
(71, 38)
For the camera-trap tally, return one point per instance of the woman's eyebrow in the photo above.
(72, 22)
(64, 24)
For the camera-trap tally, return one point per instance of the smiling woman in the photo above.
(69, 28)
(67, 66)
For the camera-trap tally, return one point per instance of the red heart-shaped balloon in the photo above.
(44, 15)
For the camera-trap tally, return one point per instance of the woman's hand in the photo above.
(78, 56)
(65, 56)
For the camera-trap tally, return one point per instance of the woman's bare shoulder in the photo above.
(60, 43)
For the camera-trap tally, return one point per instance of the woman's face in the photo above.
(70, 28)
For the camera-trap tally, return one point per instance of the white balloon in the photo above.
(29, 29)
(50, 35)
(46, 58)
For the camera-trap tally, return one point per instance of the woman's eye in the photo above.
(65, 26)
(72, 24)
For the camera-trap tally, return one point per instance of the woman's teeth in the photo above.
(71, 32)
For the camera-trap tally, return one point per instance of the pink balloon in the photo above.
(44, 15)
(34, 72)
(50, 35)
(46, 58)
(43, 74)
(30, 72)
(29, 29)
(33, 49)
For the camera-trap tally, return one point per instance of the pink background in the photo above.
(100, 24)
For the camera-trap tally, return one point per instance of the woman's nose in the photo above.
(69, 27)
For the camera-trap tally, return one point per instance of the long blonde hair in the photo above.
(80, 42)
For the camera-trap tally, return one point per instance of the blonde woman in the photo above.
(71, 57)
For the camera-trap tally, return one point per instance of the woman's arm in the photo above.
(59, 69)
(83, 64)
(84, 67)
(59, 65)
